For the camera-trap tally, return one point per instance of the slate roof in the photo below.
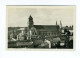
(54, 28)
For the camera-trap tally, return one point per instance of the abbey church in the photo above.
(44, 31)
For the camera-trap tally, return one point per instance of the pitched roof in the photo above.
(47, 27)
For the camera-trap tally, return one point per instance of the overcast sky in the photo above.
(18, 15)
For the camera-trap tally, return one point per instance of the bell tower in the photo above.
(30, 22)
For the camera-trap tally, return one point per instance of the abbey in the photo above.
(42, 31)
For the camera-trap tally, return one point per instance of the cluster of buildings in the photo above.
(39, 31)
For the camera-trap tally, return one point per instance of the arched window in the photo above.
(32, 33)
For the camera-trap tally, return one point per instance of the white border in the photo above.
(40, 54)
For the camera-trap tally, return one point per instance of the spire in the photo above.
(60, 24)
(30, 22)
(56, 22)
(30, 18)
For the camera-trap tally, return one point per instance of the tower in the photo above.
(30, 22)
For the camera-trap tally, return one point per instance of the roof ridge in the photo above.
(46, 25)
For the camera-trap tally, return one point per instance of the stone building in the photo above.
(43, 31)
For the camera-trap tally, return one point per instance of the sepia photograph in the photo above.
(40, 27)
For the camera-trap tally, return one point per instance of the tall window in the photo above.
(49, 33)
(33, 33)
